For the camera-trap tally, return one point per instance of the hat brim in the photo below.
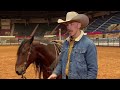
(76, 18)
(84, 20)
(62, 21)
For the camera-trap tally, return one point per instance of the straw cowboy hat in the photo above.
(74, 16)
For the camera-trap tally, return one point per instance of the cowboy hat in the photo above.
(74, 16)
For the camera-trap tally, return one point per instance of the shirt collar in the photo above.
(78, 38)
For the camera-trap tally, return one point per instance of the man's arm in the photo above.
(91, 59)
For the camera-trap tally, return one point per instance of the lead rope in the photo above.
(23, 77)
(56, 54)
(55, 61)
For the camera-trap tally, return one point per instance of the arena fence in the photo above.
(106, 41)
(8, 40)
(12, 40)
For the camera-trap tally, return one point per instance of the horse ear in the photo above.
(31, 40)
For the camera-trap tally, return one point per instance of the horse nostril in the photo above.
(17, 72)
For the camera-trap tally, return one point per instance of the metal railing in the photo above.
(106, 41)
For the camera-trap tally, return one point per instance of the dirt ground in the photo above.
(108, 63)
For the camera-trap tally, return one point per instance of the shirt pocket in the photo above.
(80, 62)
(79, 55)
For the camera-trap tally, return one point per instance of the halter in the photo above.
(25, 63)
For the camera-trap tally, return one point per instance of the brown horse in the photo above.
(43, 55)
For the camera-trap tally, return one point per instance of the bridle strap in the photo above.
(25, 63)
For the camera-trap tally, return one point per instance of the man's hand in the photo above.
(52, 76)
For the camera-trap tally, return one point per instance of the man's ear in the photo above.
(79, 25)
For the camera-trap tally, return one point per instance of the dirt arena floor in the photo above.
(108, 63)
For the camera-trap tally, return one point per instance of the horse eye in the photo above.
(27, 49)
(23, 50)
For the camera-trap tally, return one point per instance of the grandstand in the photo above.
(103, 24)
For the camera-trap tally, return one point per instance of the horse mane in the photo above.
(37, 68)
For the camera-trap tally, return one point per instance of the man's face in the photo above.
(73, 28)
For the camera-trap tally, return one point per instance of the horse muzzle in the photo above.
(20, 70)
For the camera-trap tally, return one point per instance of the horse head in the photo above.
(43, 55)
(23, 55)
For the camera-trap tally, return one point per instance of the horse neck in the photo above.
(46, 53)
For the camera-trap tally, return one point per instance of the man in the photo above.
(78, 58)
